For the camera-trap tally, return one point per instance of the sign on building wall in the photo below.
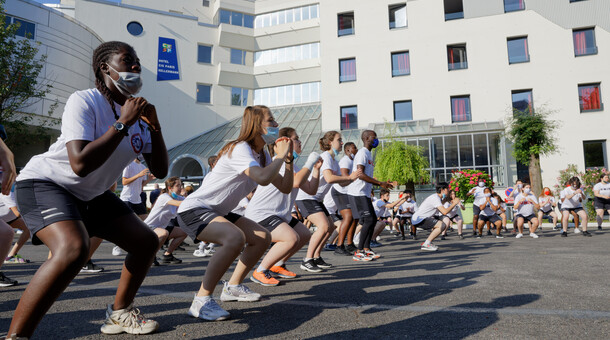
(167, 65)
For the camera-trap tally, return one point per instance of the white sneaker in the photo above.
(209, 252)
(533, 235)
(378, 239)
(238, 293)
(117, 251)
(207, 310)
(429, 247)
(199, 253)
(356, 239)
(576, 231)
(128, 320)
(519, 235)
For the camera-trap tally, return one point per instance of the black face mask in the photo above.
(385, 200)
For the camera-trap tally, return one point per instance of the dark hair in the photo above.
(366, 133)
(189, 189)
(102, 54)
(212, 160)
(407, 191)
(347, 145)
(327, 140)
(441, 186)
(286, 132)
(574, 181)
(383, 191)
(601, 177)
(170, 182)
(495, 194)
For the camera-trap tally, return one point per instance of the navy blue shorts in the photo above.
(193, 221)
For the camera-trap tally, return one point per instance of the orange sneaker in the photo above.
(282, 272)
(264, 278)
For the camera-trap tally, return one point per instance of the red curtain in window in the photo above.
(403, 63)
(348, 70)
(525, 51)
(580, 43)
(459, 109)
(529, 102)
(589, 98)
(521, 4)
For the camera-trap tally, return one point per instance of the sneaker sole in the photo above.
(324, 267)
(429, 249)
(224, 298)
(262, 283)
(362, 259)
(170, 262)
(8, 284)
(284, 276)
(116, 329)
(208, 318)
(311, 270)
(89, 271)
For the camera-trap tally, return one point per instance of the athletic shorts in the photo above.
(570, 210)
(273, 221)
(493, 218)
(453, 219)
(601, 203)
(546, 212)
(528, 218)
(310, 207)
(336, 217)
(429, 222)
(193, 221)
(476, 210)
(9, 217)
(42, 203)
(138, 208)
(405, 219)
(341, 200)
(362, 206)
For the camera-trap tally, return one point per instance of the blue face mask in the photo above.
(295, 155)
(444, 196)
(336, 153)
(175, 196)
(375, 143)
(271, 135)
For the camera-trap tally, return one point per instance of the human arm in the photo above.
(7, 162)
(366, 178)
(441, 208)
(175, 203)
(264, 176)
(129, 180)
(311, 186)
(597, 193)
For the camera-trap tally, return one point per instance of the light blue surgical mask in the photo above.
(336, 153)
(175, 196)
(272, 134)
(295, 155)
(129, 83)
(444, 196)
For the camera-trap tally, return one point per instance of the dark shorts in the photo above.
(493, 218)
(42, 203)
(570, 210)
(528, 218)
(273, 221)
(310, 207)
(601, 203)
(341, 200)
(428, 223)
(139, 209)
(362, 206)
(476, 211)
(336, 217)
(454, 218)
(546, 212)
(405, 219)
(193, 221)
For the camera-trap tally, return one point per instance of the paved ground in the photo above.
(550, 288)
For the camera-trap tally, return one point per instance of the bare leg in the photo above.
(351, 232)
(6, 239)
(318, 251)
(19, 223)
(346, 222)
(323, 227)
(177, 236)
(534, 225)
(258, 240)
(584, 219)
(565, 219)
(304, 236)
(599, 217)
(520, 222)
(162, 234)
(286, 240)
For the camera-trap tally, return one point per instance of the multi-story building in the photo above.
(442, 74)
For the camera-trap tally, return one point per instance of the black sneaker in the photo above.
(91, 267)
(5, 281)
(310, 266)
(460, 236)
(443, 237)
(599, 227)
(340, 250)
(489, 232)
(156, 263)
(586, 233)
(170, 259)
(403, 237)
(320, 263)
(564, 234)
(351, 248)
(474, 233)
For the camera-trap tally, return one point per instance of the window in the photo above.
(248, 21)
(349, 117)
(204, 54)
(286, 16)
(584, 42)
(589, 97)
(398, 16)
(288, 94)
(346, 23)
(204, 93)
(235, 18)
(403, 110)
(225, 16)
(456, 55)
(26, 29)
(454, 9)
(135, 28)
(595, 154)
(206, 3)
(347, 70)
(522, 101)
(460, 109)
(287, 54)
(514, 5)
(239, 96)
(577, 0)
(238, 57)
(518, 51)
(400, 64)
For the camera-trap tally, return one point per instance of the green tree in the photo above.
(532, 133)
(20, 67)
(405, 164)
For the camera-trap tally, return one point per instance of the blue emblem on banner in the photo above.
(167, 65)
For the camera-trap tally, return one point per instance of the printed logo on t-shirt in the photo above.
(370, 162)
(136, 143)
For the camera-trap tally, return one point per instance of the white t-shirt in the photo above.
(360, 187)
(454, 211)
(162, 212)
(408, 205)
(329, 203)
(546, 203)
(487, 211)
(526, 208)
(87, 116)
(223, 188)
(329, 163)
(344, 163)
(570, 203)
(240, 209)
(479, 195)
(500, 207)
(6, 203)
(269, 200)
(380, 209)
(604, 189)
(131, 192)
(427, 209)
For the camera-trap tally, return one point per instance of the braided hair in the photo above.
(102, 54)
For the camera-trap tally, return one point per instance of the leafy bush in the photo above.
(462, 181)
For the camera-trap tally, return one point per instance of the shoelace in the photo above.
(133, 318)
(267, 274)
(244, 289)
(213, 305)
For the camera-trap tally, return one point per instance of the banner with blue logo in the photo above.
(167, 66)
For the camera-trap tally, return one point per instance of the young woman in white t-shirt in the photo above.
(6, 232)
(271, 208)
(501, 210)
(571, 203)
(547, 206)
(601, 201)
(63, 194)
(454, 215)
(206, 214)
(526, 206)
(166, 208)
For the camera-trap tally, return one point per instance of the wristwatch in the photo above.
(121, 128)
